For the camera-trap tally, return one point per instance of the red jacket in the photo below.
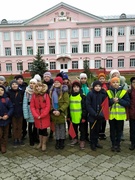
(40, 106)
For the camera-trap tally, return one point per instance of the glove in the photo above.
(83, 121)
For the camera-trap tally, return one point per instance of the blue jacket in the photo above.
(6, 108)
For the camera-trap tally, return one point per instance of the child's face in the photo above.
(1, 91)
(83, 80)
(76, 88)
(20, 81)
(66, 81)
(115, 75)
(32, 85)
(39, 88)
(47, 78)
(115, 84)
(97, 88)
(102, 79)
(133, 84)
(57, 84)
(14, 86)
(1, 82)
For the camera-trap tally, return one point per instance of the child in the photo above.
(40, 108)
(118, 101)
(16, 96)
(60, 102)
(131, 112)
(27, 112)
(6, 110)
(77, 107)
(94, 99)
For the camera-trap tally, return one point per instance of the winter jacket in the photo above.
(131, 109)
(40, 106)
(94, 100)
(6, 108)
(63, 104)
(49, 84)
(26, 105)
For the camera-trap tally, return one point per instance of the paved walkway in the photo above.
(27, 163)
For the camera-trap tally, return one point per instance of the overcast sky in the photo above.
(26, 9)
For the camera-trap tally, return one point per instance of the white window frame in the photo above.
(132, 62)
(108, 47)
(18, 51)
(63, 49)
(97, 64)
(51, 34)
(52, 65)
(74, 33)
(120, 63)
(132, 46)
(29, 35)
(132, 30)
(120, 46)
(74, 64)
(40, 35)
(109, 63)
(74, 48)
(62, 34)
(109, 31)
(121, 31)
(97, 48)
(29, 50)
(41, 49)
(86, 48)
(51, 49)
(17, 36)
(9, 67)
(6, 36)
(7, 51)
(97, 32)
(86, 33)
(30, 66)
(20, 66)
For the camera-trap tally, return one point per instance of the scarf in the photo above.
(85, 89)
(55, 97)
(29, 92)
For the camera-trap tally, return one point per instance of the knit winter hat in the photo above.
(2, 78)
(83, 75)
(2, 87)
(65, 76)
(114, 71)
(97, 83)
(33, 80)
(101, 75)
(47, 74)
(37, 77)
(76, 83)
(19, 77)
(115, 79)
(131, 79)
(59, 79)
(13, 81)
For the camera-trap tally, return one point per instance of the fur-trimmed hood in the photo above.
(44, 88)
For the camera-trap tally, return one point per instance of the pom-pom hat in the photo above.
(83, 75)
(47, 74)
(59, 79)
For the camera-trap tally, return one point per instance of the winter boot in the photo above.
(44, 140)
(62, 144)
(40, 142)
(57, 144)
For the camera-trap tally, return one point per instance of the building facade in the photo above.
(66, 38)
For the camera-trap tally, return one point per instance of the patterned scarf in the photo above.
(55, 97)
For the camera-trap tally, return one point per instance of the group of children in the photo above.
(53, 102)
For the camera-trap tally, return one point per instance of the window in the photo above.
(50, 34)
(52, 65)
(29, 50)
(74, 33)
(18, 51)
(85, 48)
(97, 48)
(63, 66)
(86, 64)
(63, 49)
(74, 48)
(109, 63)
(120, 63)
(17, 36)
(40, 35)
(132, 30)
(6, 36)
(19, 66)
(132, 46)
(29, 35)
(8, 67)
(51, 49)
(74, 64)
(97, 64)
(62, 34)
(30, 66)
(97, 32)
(121, 31)
(86, 33)
(8, 51)
(120, 46)
(41, 49)
(108, 47)
(108, 31)
(132, 62)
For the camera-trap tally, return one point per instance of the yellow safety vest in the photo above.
(75, 108)
(117, 111)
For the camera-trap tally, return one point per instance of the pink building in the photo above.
(66, 36)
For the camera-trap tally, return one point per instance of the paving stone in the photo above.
(67, 177)
(128, 173)
(104, 177)
(111, 173)
(75, 173)
(58, 173)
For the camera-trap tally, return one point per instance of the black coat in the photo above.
(94, 100)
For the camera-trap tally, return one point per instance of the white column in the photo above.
(127, 33)
(12, 44)
(92, 64)
(80, 64)
(23, 43)
(1, 45)
(57, 41)
(103, 49)
(34, 43)
(92, 40)
(46, 42)
(68, 41)
(115, 46)
(57, 65)
(80, 41)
